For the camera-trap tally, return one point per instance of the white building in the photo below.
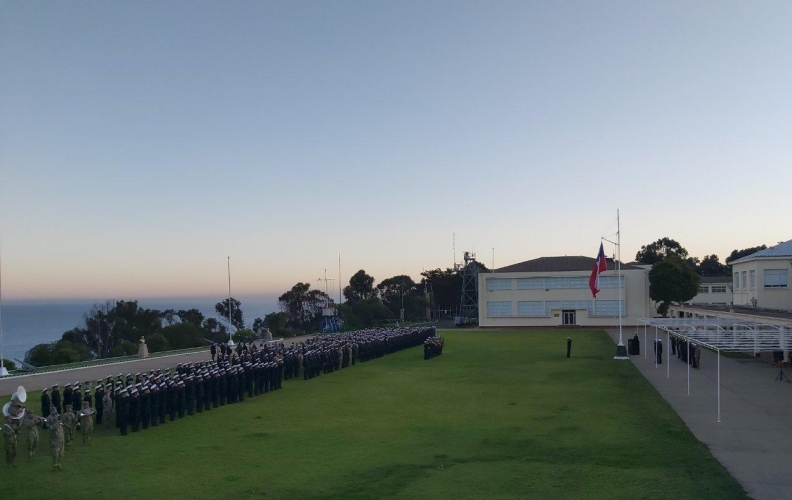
(713, 291)
(762, 278)
(554, 291)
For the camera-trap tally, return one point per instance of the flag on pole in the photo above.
(600, 266)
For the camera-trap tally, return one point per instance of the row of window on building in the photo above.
(551, 283)
(713, 289)
(545, 308)
(773, 278)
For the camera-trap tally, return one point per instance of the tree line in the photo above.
(675, 276)
(114, 328)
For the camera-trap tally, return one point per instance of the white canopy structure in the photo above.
(721, 334)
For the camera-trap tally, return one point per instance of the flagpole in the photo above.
(3, 370)
(621, 351)
(230, 323)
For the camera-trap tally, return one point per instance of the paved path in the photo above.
(754, 438)
(38, 381)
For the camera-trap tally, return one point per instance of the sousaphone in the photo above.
(14, 408)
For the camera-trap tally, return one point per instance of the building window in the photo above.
(776, 278)
(608, 308)
(610, 282)
(530, 284)
(703, 289)
(752, 276)
(737, 281)
(499, 308)
(494, 284)
(719, 289)
(530, 308)
(744, 280)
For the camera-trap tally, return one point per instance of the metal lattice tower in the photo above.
(468, 307)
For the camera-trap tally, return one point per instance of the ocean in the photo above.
(27, 323)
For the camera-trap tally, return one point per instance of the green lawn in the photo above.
(498, 415)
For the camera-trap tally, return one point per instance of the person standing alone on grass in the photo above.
(56, 439)
(10, 436)
(31, 423)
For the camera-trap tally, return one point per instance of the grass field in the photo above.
(498, 415)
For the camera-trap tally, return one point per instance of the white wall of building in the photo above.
(765, 283)
(539, 299)
(713, 294)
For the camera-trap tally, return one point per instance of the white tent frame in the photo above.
(720, 334)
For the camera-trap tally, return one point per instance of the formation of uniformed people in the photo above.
(689, 352)
(140, 401)
(433, 346)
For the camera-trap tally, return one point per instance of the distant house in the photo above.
(554, 291)
(762, 278)
(713, 291)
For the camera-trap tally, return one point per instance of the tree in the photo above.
(445, 286)
(9, 365)
(363, 313)
(215, 330)
(276, 322)
(244, 335)
(745, 252)
(236, 312)
(183, 335)
(158, 342)
(191, 316)
(710, 266)
(361, 287)
(672, 280)
(401, 291)
(659, 250)
(303, 306)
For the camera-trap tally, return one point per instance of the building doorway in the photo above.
(569, 317)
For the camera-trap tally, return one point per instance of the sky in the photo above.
(142, 144)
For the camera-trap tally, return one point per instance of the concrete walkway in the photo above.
(38, 381)
(754, 437)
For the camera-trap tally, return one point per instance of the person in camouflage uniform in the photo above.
(86, 422)
(107, 407)
(31, 423)
(10, 435)
(69, 421)
(57, 447)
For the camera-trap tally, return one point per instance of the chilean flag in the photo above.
(599, 267)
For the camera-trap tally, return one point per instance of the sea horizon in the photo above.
(28, 322)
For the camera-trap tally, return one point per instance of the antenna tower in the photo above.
(468, 306)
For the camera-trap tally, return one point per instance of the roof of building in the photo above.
(782, 250)
(558, 264)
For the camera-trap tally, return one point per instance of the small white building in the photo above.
(554, 291)
(713, 291)
(762, 278)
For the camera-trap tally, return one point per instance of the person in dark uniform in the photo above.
(134, 410)
(56, 398)
(154, 405)
(163, 401)
(76, 399)
(199, 397)
(145, 407)
(87, 397)
(181, 399)
(99, 402)
(658, 348)
(46, 403)
(122, 411)
(67, 397)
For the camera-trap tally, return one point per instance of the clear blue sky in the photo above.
(141, 143)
